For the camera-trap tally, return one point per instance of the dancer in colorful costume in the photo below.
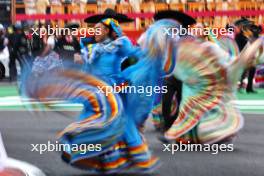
(209, 77)
(209, 84)
(48, 59)
(166, 106)
(104, 120)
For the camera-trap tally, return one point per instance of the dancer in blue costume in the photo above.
(87, 45)
(129, 150)
(104, 120)
(158, 58)
(108, 41)
(103, 60)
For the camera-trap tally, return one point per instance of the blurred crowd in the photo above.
(24, 46)
(42, 6)
(143, 6)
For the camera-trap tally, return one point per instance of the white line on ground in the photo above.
(11, 101)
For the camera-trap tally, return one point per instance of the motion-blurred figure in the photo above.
(20, 50)
(56, 8)
(30, 7)
(41, 6)
(174, 85)
(68, 45)
(4, 53)
(37, 41)
(248, 33)
(48, 60)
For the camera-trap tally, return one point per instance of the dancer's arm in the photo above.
(248, 54)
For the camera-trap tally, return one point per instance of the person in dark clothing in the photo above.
(242, 37)
(3, 51)
(2, 46)
(174, 86)
(2, 41)
(241, 40)
(68, 46)
(37, 44)
(12, 55)
(19, 48)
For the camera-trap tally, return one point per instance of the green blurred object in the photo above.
(246, 96)
(9, 94)
(8, 90)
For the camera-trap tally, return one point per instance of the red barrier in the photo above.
(21, 17)
(133, 35)
(227, 13)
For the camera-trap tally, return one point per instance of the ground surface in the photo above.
(21, 128)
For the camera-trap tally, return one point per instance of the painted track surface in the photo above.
(10, 101)
(20, 129)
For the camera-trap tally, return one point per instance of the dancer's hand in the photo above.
(248, 55)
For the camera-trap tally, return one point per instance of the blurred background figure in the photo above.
(37, 41)
(20, 50)
(56, 8)
(92, 2)
(83, 6)
(151, 5)
(48, 60)
(4, 53)
(41, 6)
(113, 2)
(30, 7)
(68, 45)
(3, 36)
(135, 4)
